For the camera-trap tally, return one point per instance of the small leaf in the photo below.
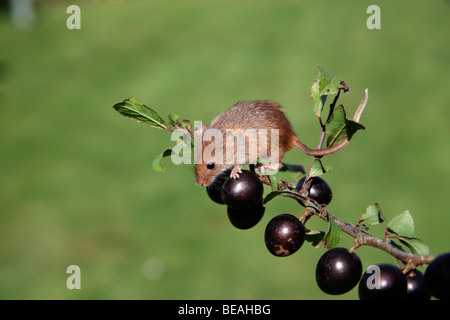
(352, 127)
(133, 108)
(416, 245)
(340, 127)
(318, 168)
(326, 84)
(402, 225)
(314, 237)
(173, 118)
(333, 235)
(158, 164)
(373, 215)
(336, 125)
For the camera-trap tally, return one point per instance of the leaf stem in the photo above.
(362, 105)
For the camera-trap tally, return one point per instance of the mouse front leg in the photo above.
(235, 172)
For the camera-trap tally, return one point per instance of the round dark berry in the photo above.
(246, 218)
(243, 192)
(338, 271)
(415, 286)
(382, 282)
(318, 190)
(437, 277)
(214, 190)
(284, 235)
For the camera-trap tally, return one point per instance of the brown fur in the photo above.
(248, 115)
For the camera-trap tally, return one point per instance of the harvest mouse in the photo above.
(258, 117)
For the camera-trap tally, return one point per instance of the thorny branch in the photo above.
(361, 237)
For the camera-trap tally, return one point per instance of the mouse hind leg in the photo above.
(268, 168)
(271, 165)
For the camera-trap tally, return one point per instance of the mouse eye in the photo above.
(210, 165)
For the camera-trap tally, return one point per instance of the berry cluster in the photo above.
(243, 197)
(339, 270)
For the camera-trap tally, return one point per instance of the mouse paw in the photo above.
(235, 172)
(268, 169)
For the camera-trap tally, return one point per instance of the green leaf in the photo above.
(336, 125)
(173, 118)
(314, 237)
(416, 245)
(318, 168)
(273, 194)
(352, 127)
(158, 164)
(326, 84)
(333, 235)
(133, 108)
(340, 127)
(402, 225)
(373, 215)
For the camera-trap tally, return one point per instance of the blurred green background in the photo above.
(76, 183)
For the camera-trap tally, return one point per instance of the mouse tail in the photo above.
(319, 152)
